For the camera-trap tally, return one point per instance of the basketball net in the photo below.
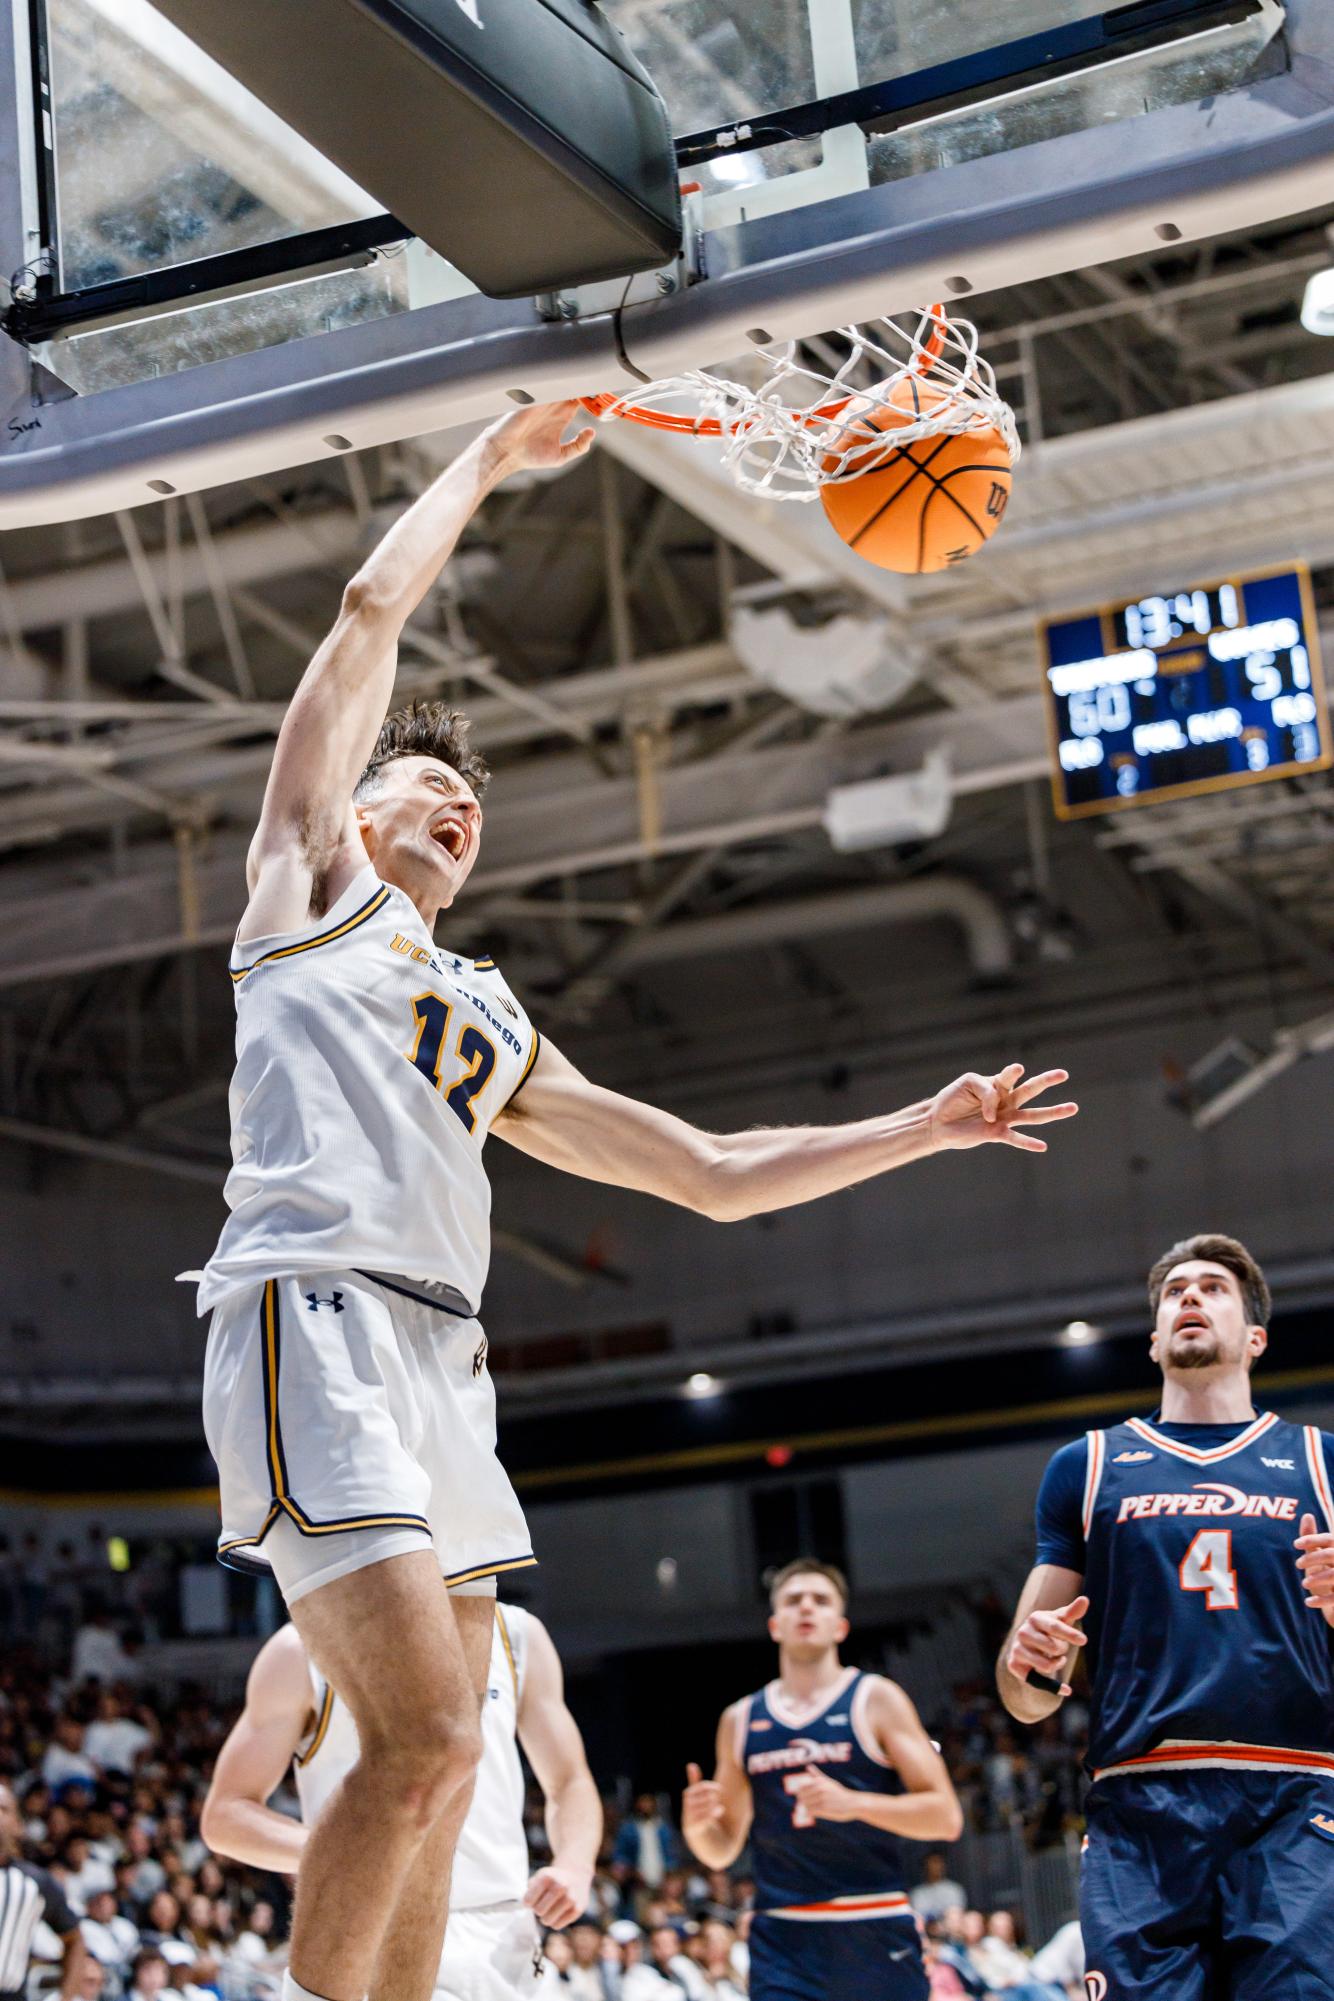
(800, 427)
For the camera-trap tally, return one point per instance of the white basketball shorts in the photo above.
(490, 1956)
(353, 1417)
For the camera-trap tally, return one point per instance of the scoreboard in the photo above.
(1203, 688)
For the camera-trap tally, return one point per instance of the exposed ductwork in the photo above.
(949, 898)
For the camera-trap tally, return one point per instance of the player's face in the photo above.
(422, 828)
(11, 1823)
(1202, 1320)
(807, 1619)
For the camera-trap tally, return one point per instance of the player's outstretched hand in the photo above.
(1041, 1644)
(557, 1895)
(702, 1803)
(535, 437)
(1316, 1563)
(973, 1109)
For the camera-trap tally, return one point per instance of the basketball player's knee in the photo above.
(416, 1773)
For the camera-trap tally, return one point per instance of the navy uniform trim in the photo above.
(283, 1503)
(508, 1646)
(321, 1729)
(368, 909)
(526, 1073)
(464, 1312)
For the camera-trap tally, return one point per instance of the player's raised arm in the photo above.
(1044, 1640)
(563, 1119)
(236, 1820)
(716, 1813)
(335, 715)
(558, 1894)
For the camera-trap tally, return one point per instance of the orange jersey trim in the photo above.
(1255, 1757)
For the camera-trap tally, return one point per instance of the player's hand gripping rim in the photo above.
(974, 1110)
(1042, 1644)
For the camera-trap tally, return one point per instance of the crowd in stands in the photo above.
(110, 1778)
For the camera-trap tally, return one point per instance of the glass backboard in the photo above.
(851, 157)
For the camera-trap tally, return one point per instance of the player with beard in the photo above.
(347, 1398)
(1192, 1553)
(827, 1771)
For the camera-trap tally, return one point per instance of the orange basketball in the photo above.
(930, 504)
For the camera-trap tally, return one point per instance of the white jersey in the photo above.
(371, 1064)
(491, 1861)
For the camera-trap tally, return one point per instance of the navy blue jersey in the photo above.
(822, 1868)
(1201, 1650)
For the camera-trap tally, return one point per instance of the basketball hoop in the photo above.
(804, 428)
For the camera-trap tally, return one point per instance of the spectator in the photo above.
(1061, 1960)
(98, 1654)
(115, 1741)
(715, 1961)
(633, 1978)
(83, 1873)
(647, 1847)
(671, 1962)
(150, 1977)
(113, 1939)
(148, 1876)
(162, 1918)
(937, 1891)
(253, 1946)
(558, 1958)
(64, 1759)
(588, 1977)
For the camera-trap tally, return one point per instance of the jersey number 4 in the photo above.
(1207, 1567)
(474, 1050)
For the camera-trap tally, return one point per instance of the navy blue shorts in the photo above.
(1210, 1886)
(871, 1959)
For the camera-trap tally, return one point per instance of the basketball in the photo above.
(930, 504)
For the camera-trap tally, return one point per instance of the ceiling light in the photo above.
(1077, 1332)
(702, 1384)
(1318, 305)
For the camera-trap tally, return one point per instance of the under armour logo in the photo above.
(314, 1302)
(469, 7)
(479, 1359)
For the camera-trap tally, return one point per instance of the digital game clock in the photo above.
(1203, 688)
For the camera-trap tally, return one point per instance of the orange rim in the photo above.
(714, 427)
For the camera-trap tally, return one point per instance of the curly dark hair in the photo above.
(1217, 1250)
(425, 729)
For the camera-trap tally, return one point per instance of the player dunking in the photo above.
(346, 1395)
(493, 1945)
(827, 1771)
(1193, 1553)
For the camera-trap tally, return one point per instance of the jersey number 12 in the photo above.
(1207, 1567)
(475, 1051)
